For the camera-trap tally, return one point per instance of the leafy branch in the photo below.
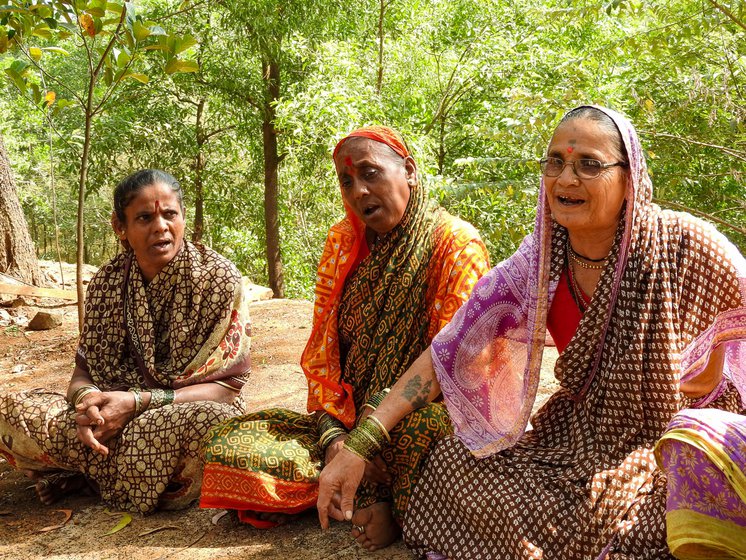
(700, 213)
(729, 151)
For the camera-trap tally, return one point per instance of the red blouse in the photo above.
(564, 314)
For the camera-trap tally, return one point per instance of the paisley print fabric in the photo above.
(582, 482)
(703, 455)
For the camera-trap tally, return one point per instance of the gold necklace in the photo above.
(581, 263)
(577, 293)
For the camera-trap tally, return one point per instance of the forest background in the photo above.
(242, 101)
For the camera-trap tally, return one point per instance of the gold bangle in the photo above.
(81, 392)
(381, 426)
(138, 399)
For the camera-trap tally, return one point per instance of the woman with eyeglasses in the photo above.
(646, 307)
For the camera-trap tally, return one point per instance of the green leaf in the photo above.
(125, 520)
(14, 9)
(123, 59)
(43, 31)
(156, 48)
(35, 53)
(131, 16)
(176, 65)
(57, 50)
(157, 30)
(142, 78)
(42, 11)
(17, 79)
(19, 66)
(140, 31)
(35, 93)
(97, 8)
(115, 7)
(183, 43)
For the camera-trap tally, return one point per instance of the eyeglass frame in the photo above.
(543, 161)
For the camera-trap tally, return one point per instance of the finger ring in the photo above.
(360, 528)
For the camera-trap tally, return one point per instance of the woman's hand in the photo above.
(338, 483)
(102, 416)
(340, 478)
(375, 471)
(333, 448)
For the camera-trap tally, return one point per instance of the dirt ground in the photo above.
(45, 358)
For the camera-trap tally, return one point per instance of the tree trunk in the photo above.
(442, 146)
(17, 254)
(271, 77)
(199, 166)
(82, 178)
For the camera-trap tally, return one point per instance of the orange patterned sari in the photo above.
(374, 314)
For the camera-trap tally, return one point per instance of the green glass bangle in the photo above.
(377, 398)
(367, 440)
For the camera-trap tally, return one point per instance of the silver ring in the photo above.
(360, 528)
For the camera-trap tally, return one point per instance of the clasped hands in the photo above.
(101, 416)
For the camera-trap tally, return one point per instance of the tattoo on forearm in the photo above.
(417, 392)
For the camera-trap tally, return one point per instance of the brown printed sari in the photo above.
(189, 325)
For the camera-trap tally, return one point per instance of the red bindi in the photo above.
(348, 161)
(569, 150)
(157, 205)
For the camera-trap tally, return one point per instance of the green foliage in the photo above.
(476, 86)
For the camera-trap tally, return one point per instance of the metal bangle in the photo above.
(138, 399)
(81, 392)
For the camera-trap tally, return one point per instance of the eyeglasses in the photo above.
(583, 168)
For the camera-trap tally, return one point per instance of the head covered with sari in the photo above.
(642, 334)
(391, 296)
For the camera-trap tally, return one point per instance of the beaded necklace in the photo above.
(575, 291)
(594, 264)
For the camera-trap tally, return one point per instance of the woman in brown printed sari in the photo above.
(392, 274)
(647, 309)
(162, 357)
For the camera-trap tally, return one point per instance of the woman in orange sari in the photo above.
(392, 274)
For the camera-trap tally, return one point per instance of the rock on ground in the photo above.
(44, 321)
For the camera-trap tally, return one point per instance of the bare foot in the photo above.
(379, 529)
(50, 487)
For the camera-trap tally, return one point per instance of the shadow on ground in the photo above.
(280, 329)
